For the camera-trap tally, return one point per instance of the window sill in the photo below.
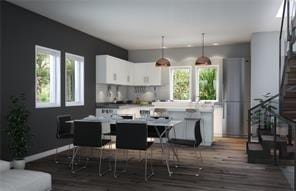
(185, 101)
(49, 105)
(71, 104)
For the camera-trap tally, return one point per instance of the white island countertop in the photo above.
(182, 106)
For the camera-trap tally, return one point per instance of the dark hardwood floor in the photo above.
(224, 168)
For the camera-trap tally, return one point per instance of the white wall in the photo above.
(264, 64)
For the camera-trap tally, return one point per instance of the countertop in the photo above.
(170, 106)
(182, 106)
(110, 105)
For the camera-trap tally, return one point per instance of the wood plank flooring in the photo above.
(224, 166)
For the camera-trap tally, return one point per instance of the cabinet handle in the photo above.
(128, 78)
(114, 77)
(146, 79)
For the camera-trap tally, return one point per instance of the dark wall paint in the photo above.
(0, 76)
(21, 31)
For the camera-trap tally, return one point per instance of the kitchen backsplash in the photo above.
(107, 93)
(147, 93)
(129, 93)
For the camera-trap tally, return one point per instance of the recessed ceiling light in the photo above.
(215, 43)
(164, 47)
(189, 45)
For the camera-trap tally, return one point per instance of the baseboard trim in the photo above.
(47, 153)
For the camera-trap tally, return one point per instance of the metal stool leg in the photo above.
(100, 164)
(72, 162)
(146, 164)
(115, 166)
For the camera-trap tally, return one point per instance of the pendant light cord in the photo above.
(162, 46)
(203, 44)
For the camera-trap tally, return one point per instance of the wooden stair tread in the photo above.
(289, 105)
(289, 94)
(291, 82)
(290, 108)
(270, 138)
(290, 148)
(290, 116)
(289, 100)
(289, 111)
(255, 147)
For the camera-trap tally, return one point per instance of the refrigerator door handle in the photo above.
(223, 113)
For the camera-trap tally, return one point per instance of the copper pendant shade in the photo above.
(162, 62)
(203, 60)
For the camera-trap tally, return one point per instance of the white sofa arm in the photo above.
(4, 166)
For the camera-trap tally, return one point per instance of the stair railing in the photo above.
(292, 127)
(280, 42)
(253, 109)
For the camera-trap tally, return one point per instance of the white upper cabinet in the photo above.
(128, 73)
(146, 74)
(129, 76)
(111, 70)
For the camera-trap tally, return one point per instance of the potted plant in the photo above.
(18, 130)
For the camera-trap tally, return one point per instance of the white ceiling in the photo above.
(139, 24)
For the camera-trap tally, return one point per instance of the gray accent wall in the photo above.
(21, 31)
(218, 55)
(187, 57)
(0, 77)
(179, 55)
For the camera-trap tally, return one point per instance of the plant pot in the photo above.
(19, 164)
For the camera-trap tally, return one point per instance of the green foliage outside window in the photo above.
(181, 83)
(207, 83)
(43, 78)
(70, 80)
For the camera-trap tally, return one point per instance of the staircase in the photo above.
(270, 135)
(272, 122)
(288, 90)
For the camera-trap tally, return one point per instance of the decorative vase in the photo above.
(19, 164)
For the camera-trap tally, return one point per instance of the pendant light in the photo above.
(203, 60)
(162, 62)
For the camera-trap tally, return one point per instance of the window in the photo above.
(47, 77)
(207, 83)
(74, 80)
(180, 83)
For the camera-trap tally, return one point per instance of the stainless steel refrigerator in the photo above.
(236, 95)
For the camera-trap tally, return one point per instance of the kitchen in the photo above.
(149, 88)
(149, 95)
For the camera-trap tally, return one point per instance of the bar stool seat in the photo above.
(184, 142)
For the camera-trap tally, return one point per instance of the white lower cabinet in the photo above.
(183, 130)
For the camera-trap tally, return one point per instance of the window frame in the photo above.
(197, 97)
(55, 79)
(172, 68)
(80, 78)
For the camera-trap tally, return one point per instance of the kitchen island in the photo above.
(176, 111)
(185, 130)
